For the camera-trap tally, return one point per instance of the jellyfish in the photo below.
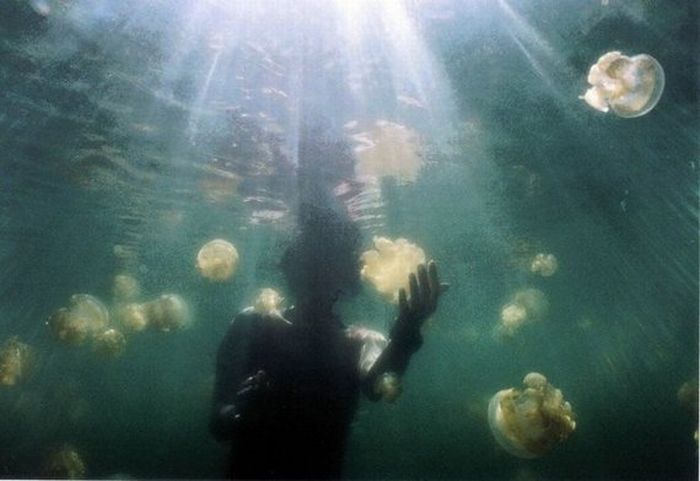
(268, 301)
(526, 306)
(388, 265)
(544, 265)
(133, 317)
(688, 398)
(388, 149)
(84, 317)
(110, 343)
(65, 463)
(167, 313)
(217, 260)
(16, 361)
(388, 386)
(630, 86)
(528, 423)
(125, 287)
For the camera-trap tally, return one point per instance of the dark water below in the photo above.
(131, 133)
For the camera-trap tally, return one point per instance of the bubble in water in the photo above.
(217, 260)
(528, 423)
(630, 86)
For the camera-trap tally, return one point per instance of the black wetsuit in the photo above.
(297, 427)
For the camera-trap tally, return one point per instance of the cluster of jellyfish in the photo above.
(629, 86)
(528, 305)
(87, 319)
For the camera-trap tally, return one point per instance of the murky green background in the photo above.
(133, 132)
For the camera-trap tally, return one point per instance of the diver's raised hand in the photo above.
(424, 292)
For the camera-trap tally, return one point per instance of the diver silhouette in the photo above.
(288, 383)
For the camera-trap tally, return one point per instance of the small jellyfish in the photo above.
(268, 301)
(388, 265)
(388, 386)
(528, 423)
(65, 463)
(110, 343)
(125, 287)
(217, 260)
(544, 265)
(133, 317)
(84, 317)
(16, 361)
(630, 86)
(688, 396)
(167, 313)
(526, 306)
(388, 149)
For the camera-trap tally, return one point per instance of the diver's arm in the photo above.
(405, 337)
(231, 372)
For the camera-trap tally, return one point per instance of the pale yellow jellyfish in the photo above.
(388, 265)
(544, 264)
(217, 260)
(125, 287)
(688, 398)
(268, 301)
(167, 313)
(630, 86)
(526, 306)
(133, 317)
(388, 386)
(65, 463)
(84, 317)
(528, 423)
(16, 361)
(388, 149)
(110, 343)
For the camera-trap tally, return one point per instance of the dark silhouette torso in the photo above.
(301, 423)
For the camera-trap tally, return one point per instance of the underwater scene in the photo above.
(167, 165)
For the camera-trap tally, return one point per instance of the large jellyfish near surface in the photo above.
(217, 260)
(528, 423)
(629, 86)
(388, 265)
(84, 317)
(388, 149)
(16, 361)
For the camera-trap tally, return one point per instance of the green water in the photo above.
(131, 133)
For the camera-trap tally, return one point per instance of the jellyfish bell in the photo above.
(65, 463)
(110, 343)
(528, 423)
(630, 86)
(217, 260)
(125, 287)
(388, 386)
(84, 317)
(167, 313)
(268, 301)
(133, 317)
(544, 264)
(389, 264)
(16, 361)
(534, 301)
